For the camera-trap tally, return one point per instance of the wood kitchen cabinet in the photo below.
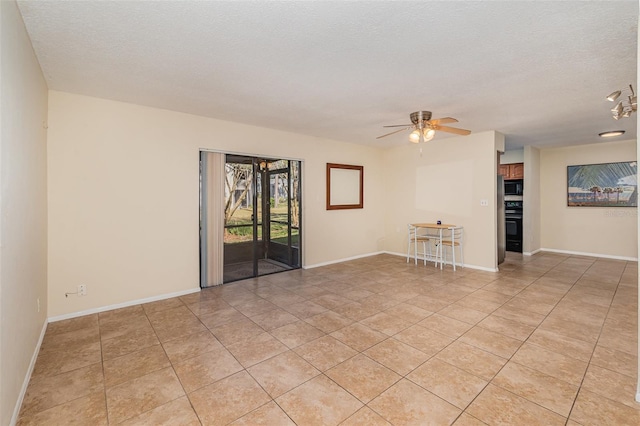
(516, 171)
(512, 171)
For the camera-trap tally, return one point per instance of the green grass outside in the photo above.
(245, 233)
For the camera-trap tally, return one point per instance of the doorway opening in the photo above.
(262, 227)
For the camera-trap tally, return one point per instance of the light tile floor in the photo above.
(550, 339)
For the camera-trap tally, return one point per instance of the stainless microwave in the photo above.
(513, 187)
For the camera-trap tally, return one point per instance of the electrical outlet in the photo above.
(484, 203)
(82, 290)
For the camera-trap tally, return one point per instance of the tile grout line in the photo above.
(375, 288)
(595, 346)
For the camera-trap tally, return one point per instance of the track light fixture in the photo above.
(625, 107)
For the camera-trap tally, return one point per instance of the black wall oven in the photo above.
(513, 225)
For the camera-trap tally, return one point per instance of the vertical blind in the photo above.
(212, 220)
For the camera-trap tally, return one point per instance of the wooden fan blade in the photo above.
(397, 131)
(453, 130)
(398, 125)
(445, 120)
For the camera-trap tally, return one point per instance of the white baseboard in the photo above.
(346, 259)
(580, 253)
(479, 268)
(122, 305)
(395, 253)
(466, 265)
(27, 378)
(531, 253)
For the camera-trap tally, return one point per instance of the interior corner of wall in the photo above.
(499, 141)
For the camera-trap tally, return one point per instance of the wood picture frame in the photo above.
(345, 186)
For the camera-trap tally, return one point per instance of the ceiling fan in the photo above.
(424, 128)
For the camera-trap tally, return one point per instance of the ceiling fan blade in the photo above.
(397, 131)
(445, 120)
(453, 130)
(398, 125)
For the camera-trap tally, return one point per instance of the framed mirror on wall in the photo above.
(345, 186)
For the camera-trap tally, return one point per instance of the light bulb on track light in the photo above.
(612, 97)
(618, 108)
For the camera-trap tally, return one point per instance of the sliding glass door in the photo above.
(283, 239)
(262, 229)
(242, 225)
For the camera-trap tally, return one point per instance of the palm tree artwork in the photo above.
(592, 185)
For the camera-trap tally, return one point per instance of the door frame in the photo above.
(266, 174)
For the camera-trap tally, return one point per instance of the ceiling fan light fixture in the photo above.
(428, 134)
(612, 97)
(423, 129)
(415, 136)
(611, 133)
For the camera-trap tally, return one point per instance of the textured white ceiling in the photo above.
(537, 71)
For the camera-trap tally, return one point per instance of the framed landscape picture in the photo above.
(603, 185)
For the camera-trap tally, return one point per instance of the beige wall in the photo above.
(23, 208)
(123, 198)
(531, 200)
(593, 230)
(446, 182)
(638, 219)
(512, 156)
